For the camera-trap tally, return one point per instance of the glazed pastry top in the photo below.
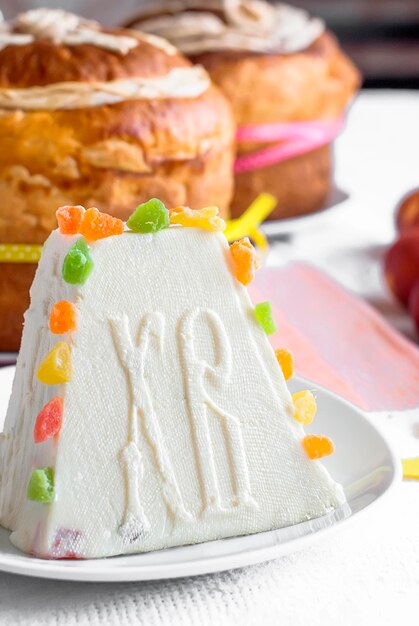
(45, 46)
(51, 59)
(196, 26)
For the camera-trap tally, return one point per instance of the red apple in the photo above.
(414, 304)
(401, 266)
(407, 213)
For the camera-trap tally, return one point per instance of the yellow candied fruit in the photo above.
(206, 218)
(305, 407)
(56, 367)
(286, 362)
(245, 260)
(317, 446)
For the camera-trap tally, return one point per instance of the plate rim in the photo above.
(91, 570)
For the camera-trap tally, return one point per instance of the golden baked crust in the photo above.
(301, 185)
(15, 281)
(313, 84)
(112, 156)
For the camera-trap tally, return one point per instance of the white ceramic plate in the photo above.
(278, 228)
(363, 462)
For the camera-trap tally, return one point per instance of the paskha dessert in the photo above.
(149, 409)
(287, 80)
(101, 117)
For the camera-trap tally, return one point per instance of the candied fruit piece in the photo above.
(66, 544)
(286, 362)
(69, 219)
(245, 260)
(317, 446)
(41, 485)
(63, 318)
(305, 407)
(56, 367)
(77, 264)
(263, 314)
(206, 218)
(149, 217)
(49, 420)
(97, 225)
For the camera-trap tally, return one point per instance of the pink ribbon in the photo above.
(295, 138)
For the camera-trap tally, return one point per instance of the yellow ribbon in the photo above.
(20, 253)
(247, 225)
(411, 469)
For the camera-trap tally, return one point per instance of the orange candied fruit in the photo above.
(63, 318)
(317, 446)
(206, 218)
(286, 362)
(69, 219)
(245, 260)
(98, 225)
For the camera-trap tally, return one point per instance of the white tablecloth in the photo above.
(369, 572)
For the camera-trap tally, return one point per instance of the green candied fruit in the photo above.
(263, 314)
(149, 217)
(41, 485)
(77, 264)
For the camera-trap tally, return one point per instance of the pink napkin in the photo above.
(338, 340)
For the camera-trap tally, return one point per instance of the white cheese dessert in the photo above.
(149, 409)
